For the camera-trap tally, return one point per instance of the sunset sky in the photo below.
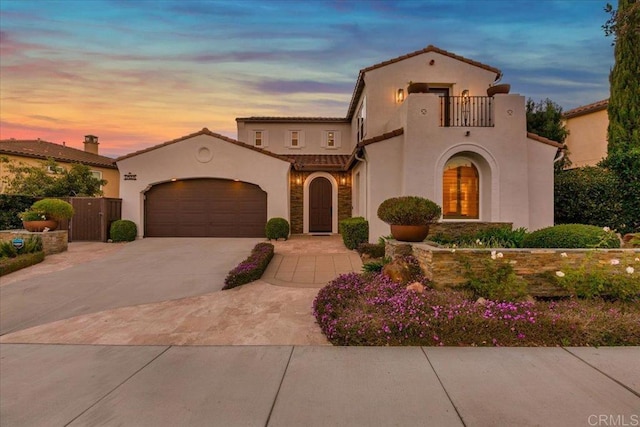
(138, 73)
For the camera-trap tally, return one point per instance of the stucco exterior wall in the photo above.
(278, 136)
(202, 156)
(111, 189)
(385, 162)
(516, 174)
(383, 83)
(587, 139)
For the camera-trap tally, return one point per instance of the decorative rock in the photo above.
(398, 271)
(481, 301)
(416, 286)
(403, 249)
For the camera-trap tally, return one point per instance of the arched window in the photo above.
(460, 190)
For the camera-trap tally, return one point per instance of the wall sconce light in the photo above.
(298, 178)
(465, 93)
(400, 96)
(343, 180)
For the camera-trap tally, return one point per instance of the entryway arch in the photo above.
(320, 203)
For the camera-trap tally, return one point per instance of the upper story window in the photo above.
(361, 119)
(331, 139)
(260, 138)
(296, 139)
(97, 175)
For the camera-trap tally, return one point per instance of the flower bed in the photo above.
(251, 268)
(372, 310)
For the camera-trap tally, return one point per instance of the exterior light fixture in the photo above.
(465, 93)
(467, 133)
(298, 180)
(174, 179)
(400, 96)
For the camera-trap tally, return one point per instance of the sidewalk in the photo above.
(317, 386)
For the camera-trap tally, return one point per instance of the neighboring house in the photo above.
(468, 152)
(587, 139)
(34, 152)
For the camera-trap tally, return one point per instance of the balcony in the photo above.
(466, 111)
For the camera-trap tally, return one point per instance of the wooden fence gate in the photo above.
(92, 219)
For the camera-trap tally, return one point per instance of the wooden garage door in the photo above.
(205, 208)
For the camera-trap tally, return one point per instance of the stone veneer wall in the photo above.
(297, 198)
(53, 242)
(444, 267)
(464, 228)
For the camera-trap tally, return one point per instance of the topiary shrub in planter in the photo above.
(277, 228)
(123, 230)
(572, 236)
(409, 217)
(251, 268)
(54, 209)
(354, 231)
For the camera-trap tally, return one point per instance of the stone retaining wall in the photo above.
(53, 242)
(445, 267)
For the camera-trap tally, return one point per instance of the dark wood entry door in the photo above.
(320, 208)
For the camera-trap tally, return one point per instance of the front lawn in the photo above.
(370, 309)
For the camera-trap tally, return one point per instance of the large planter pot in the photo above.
(409, 233)
(418, 88)
(501, 88)
(36, 226)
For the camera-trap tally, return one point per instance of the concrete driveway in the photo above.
(145, 271)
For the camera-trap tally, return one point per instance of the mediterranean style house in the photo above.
(34, 152)
(419, 124)
(587, 139)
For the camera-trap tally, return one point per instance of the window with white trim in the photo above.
(361, 119)
(331, 139)
(260, 138)
(97, 174)
(296, 139)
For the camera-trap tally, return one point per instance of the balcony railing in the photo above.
(466, 111)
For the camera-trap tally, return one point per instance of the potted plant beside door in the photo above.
(409, 217)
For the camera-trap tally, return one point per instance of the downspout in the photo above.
(366, 179)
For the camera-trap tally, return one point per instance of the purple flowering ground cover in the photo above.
(251, 268)
(359, 309)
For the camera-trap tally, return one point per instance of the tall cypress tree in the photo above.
(624, 106)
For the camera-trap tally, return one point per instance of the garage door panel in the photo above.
(205, 208)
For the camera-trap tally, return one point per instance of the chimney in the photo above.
(91, 144)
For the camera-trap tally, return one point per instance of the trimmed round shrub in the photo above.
(408, 210)
(123, 230)
(55, 209)
(571, 236)
(354, 231)
(277, 228)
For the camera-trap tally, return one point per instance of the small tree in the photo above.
(545, 119)
(50, 180)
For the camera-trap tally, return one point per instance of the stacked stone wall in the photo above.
(53, 242)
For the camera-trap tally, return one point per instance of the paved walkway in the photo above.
(56, 385)
(272, 311)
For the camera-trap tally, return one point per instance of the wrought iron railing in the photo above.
(466, 111)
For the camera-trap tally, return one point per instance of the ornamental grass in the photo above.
(372, 310)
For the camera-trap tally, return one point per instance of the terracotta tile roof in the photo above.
(292, 119)
(382, 137)
(204, 131)
(309, 162)
(360, 82)
(586, 109)
(39, 149)
(544, 140)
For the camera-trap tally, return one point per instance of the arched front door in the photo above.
(320, 207)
